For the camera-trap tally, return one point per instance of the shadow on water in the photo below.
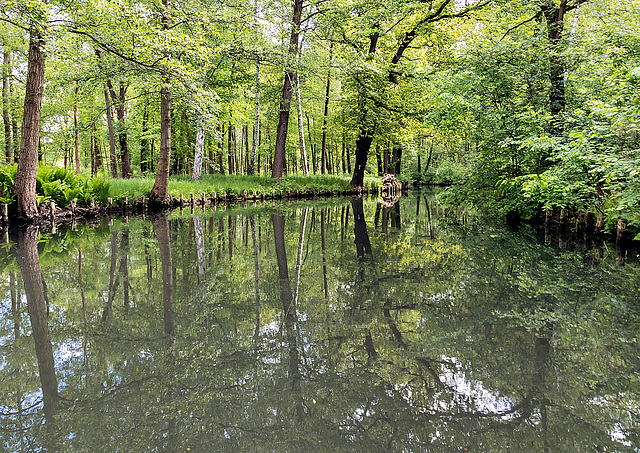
(351, 325)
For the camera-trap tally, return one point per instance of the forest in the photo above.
(520, 106)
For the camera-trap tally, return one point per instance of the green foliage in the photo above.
(56, 184)
(7, 177)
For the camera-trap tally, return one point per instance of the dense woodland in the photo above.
(524, 105)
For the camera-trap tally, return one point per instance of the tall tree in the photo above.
(24, 187)
(287, 93)
(410, 26)
(160, 191)
(6, 70)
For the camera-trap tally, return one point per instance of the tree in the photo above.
(287, 93)
(160, 191)
(24, 187)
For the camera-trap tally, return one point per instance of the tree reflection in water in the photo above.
(401, 332)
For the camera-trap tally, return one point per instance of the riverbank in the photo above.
(130, 196)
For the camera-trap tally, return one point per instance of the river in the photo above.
(335, 325)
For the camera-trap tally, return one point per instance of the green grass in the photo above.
(134, 188)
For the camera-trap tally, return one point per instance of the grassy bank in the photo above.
(234, 185)
(64, 186)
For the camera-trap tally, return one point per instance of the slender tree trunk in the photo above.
(24, 187)
(256, 123)
(221, 150)
(76, 129)
(119, 104)
(313, 148)
(230, 149)
(287, 92)
(247, 157)
(112, 140)
(160, 191)
(6, 70)
(303, 146)
(144, 141)
(197, 155)
(326, 112)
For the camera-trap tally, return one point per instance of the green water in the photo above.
(332, 326)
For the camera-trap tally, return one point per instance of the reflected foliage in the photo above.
(343, 326)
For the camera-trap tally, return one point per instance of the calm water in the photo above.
(334, 326)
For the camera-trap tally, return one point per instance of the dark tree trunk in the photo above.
(24, 187)
(396, 164)
(6, 69)
(326, 112)
(287, 93)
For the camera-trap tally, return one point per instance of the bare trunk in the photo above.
(24, 186)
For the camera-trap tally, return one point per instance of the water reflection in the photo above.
(291, 329)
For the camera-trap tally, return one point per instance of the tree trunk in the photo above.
(144, 141)
(119, 103)
(326, 113)
(112, 141)
(287, 92)
(76, 129)
(6, 69)
(24, 187)
(314, 164)
(221, 150)
(256, 124)
(197, 154)
(160, 192)
(230, 148)
(303, 146)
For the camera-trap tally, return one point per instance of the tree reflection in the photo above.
(26, 251)
(289, 313)
(160, 224)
